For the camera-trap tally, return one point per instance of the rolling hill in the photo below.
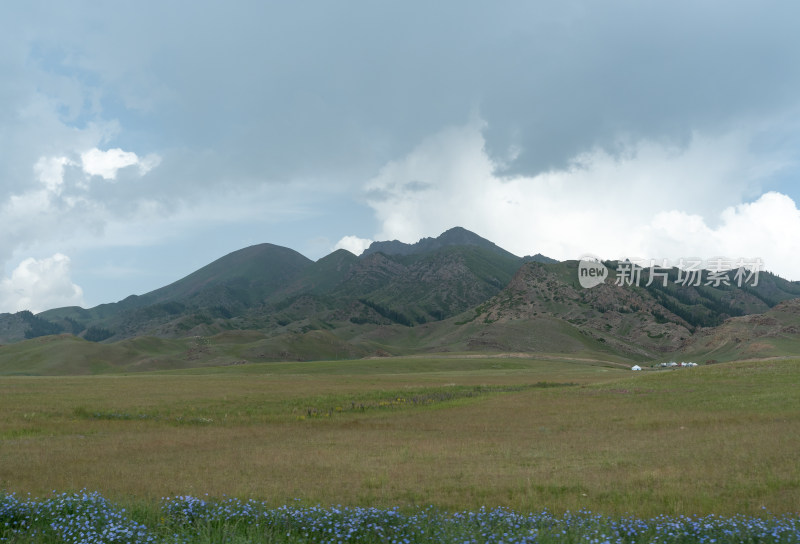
(771, 334)
(454, 293)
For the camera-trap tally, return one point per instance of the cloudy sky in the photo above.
(142, 140)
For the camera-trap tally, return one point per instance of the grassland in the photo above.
(455, 432)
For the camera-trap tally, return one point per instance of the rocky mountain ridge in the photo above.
(456, 292)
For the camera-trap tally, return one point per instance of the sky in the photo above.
(140, 141)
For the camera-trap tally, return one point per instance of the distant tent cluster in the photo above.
(671, 364)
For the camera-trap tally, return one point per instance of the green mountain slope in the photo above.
(454, 293)
(428, 286)
(266, 287)
(226, 286)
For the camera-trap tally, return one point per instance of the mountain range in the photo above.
(454, 293)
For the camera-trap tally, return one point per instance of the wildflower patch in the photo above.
(88, 518)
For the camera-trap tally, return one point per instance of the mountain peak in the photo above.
(456, 236)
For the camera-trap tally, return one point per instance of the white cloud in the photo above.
(58, 202)
(106, 164)
(761, 229)
(50, 171)
(148, 162)
(40, 284)
(651, 200)
(353, 244)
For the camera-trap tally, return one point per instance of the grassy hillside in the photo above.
(776, 333)
(69, 355)
(506, 326)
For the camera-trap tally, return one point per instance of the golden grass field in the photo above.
(413, 431)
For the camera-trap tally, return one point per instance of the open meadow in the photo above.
(456, 433)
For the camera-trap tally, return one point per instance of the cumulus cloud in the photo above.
(762, 229)
(353, 244)
(106, 164)
(650, 200)
(50, 171)
(60, 203)
(40, 284)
